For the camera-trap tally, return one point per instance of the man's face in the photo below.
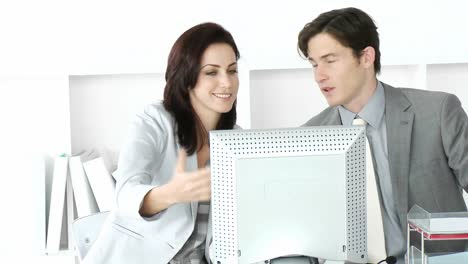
(339, 74)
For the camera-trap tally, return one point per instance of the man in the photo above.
(419, 139)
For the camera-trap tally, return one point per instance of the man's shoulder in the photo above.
(424, 94)
(327, 117)
(419, 96)
(424, 103)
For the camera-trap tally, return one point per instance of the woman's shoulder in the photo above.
(156, 110)
(155, 117)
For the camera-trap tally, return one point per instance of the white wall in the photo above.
(284, 98)
(266, 31)
(452, 78)
(114, 37)
(35, 126)
(404, 75)
(101, 108)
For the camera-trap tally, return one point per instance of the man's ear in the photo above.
(368, 57)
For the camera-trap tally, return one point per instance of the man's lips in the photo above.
(327, 89)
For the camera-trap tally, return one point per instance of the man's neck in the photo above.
(358, 103)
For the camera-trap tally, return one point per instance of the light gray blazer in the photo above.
(146, 160)
(427, 138)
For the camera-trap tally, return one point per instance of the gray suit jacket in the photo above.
(147, 160)
(427, 137)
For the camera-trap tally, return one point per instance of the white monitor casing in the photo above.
(295, 191)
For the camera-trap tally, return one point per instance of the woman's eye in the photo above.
(233, 71)
(211, 73)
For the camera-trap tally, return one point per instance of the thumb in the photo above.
(181, 159)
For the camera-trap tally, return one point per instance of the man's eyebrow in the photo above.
(327, 56)
(323, 57)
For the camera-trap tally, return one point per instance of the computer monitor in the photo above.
(294, 191)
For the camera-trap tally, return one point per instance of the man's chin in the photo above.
(333, 103)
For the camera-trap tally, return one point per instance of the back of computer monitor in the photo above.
(280, 192)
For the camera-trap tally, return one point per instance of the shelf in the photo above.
(439, 226)
(436, 226)
(416, 257)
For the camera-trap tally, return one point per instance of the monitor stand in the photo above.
(293, 260)
(302, 260)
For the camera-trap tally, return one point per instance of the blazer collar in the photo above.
(395, 99)
(333, 118)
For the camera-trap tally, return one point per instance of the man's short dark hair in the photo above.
(350, 26)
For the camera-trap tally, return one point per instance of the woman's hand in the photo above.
(183, 188)
(190, 186)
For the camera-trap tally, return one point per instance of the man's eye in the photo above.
(330, 61)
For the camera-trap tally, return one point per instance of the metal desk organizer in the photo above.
(434, 226)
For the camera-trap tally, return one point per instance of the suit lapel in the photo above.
(334, 119)
(399, 120)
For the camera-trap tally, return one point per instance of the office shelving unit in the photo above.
(435, 227)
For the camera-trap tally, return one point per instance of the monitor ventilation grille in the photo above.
(356, 207)
(223, 203)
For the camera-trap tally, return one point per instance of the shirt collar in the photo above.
(372, 112)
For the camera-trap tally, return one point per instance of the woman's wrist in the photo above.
(158, 199)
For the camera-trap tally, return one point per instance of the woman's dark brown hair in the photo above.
(182, 71)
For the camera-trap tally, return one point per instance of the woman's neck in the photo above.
(205, 124)
(203, 155)
(209, 122)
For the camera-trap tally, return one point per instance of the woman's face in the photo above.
(217, 83)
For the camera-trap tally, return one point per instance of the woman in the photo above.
(163, 188)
